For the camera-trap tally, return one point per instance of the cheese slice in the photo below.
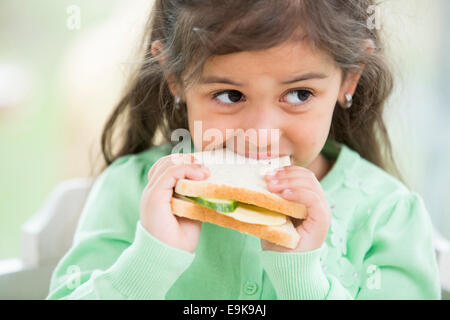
(252, 214)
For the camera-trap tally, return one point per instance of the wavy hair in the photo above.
(193, 30)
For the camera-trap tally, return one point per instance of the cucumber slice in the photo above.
(256, 215)
(220, 205)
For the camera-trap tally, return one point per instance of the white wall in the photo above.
(418, 114)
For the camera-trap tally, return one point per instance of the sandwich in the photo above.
(235, 196)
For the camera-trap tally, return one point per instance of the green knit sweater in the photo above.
(379, 245)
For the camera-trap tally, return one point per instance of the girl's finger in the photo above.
(158, 167)
(165, 162)
(292, 172)
(170, 176)
(164, 184)
(295, 183)
(312, 201)
(294, 168)
(280, 175)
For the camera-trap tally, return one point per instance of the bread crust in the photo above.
(207, 189)
(284, 235)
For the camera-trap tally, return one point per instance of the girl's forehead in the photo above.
(285, 58)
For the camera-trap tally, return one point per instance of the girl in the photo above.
(315, 70)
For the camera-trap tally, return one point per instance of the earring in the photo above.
(177, 102)
(348, 101)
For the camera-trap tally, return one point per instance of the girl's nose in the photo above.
(264, 117)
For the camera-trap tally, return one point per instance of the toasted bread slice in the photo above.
(283, 235)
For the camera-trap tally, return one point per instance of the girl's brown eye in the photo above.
(228, 96)
(298, 96)
(303, 95)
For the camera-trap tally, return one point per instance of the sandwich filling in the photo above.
(240, 211)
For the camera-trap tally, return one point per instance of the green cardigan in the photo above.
(379, 245)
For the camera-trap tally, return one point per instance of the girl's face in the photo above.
(290, 87)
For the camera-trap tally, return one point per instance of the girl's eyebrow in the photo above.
(307, 76)
(223, 80)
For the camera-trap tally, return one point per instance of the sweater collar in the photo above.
(345, 160)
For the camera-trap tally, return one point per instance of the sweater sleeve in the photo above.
(113, 256)
(400, 263)
(299, 276)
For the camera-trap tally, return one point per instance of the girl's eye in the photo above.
(228, 96)
(298, 96)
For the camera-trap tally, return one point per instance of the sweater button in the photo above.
(250, 287)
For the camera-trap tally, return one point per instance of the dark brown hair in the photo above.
(193, 30)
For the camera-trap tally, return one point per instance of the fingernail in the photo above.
(287, 191)
(269, 176)
(274, 181)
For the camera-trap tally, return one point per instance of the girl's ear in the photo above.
(350, 82)
(157, 48)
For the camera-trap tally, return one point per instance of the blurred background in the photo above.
(63, 65)
(59, 78)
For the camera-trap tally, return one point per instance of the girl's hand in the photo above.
(155, 210)
(299, 184)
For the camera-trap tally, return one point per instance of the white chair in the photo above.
(442, 247)
(44, 240)
(47, 236)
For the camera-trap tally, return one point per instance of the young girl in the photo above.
(315, 70)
